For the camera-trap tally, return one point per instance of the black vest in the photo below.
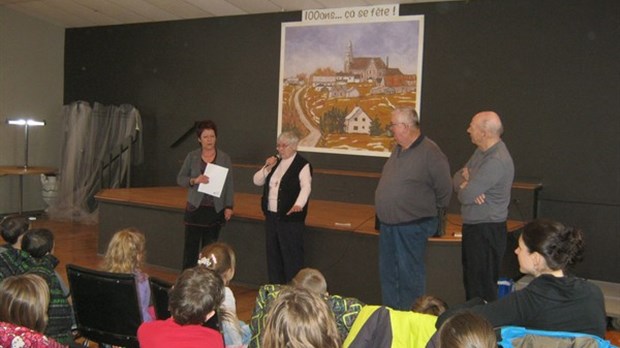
(288, 191)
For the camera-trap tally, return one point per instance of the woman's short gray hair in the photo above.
(289, 138)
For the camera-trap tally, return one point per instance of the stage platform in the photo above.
(341, 240)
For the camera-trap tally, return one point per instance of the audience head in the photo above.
(467, 330)
(13, 227)
(300, 319)
(207, 124)
(220, 258)
(38, 242)
(427, 304)
(195, 296)
(126, 251)
(547, 245)
(24, 300)
(310, 279)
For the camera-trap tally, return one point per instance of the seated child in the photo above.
(311, 279)
(13, 260)
(345, 309)
(12, 228)
(220, 258)
(467, 330)
(195, 296)
(125, 254)
(299, 318)
(39, 243)
(428, 304)
(24, 300)
(380, 326)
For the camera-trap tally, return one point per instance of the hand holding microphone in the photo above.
(271, 161)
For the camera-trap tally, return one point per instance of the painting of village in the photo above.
(340, 82)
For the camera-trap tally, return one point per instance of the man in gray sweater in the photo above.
(415, 182)
(483, 187)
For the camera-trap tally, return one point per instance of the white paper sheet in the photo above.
(217, 177)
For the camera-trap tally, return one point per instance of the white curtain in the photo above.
(91, 136)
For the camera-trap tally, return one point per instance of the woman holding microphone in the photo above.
(286, 179)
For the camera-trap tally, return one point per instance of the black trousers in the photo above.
(285, 248)
(483, 249)
(202, 227)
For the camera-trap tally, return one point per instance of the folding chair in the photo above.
(106, 306)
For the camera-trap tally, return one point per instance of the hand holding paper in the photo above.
(217, 178)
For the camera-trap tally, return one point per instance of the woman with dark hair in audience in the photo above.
(193, 300)
(204, 214)
(23, 312)
(554, 300)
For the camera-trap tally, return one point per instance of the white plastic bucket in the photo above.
(49, 190)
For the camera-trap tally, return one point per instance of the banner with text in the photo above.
(360, 13)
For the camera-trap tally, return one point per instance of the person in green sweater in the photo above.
(39, 243)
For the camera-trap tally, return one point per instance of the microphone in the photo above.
(278, 158)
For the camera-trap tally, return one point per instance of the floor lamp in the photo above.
(26, 123)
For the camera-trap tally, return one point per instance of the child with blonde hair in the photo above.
(24, 300)
(220, 258)
(298, 318)
(467, 330)
(311, 279)
(344, 309)
(126, 254)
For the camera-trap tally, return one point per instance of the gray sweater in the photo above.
(191, 169)
(414, 183)
(490, 172)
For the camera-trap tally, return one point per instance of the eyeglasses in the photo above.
(395, 124)
(278, 146)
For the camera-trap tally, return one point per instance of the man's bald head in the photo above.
(490, 122)
(485, 129)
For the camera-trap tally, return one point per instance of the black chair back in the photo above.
(214, 323)
(106, 306)
(159, 296)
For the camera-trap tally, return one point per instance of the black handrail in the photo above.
(114, 157)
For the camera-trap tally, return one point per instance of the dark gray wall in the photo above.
(550, 68)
